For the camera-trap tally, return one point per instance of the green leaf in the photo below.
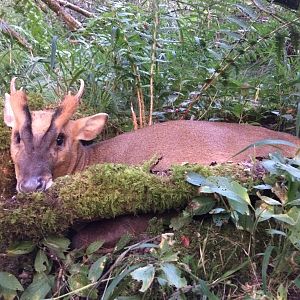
(263, 187)
(201, 205)
(293, 203)
(117, 280)
(57, 243)
(265, 264)
(264, 213)
(195, 179)
(93, 247)
(97, 268)
(135, 297)
(294, 232)
(297, 282)
(221, 218)
(225, 187)
(173, 275)
(7, 294)
(295, 172)
(9, 281)
(144, 274)
(41, 262)
(241, 23)
(247, 10)
(244, 222)
(275, 232)
(180, 221)
(20, 248)
(229, 273)
(38, 289)
(205, 291)
(270, 201)
(284, 218)
(123, 242)
(265, 142)
(78, 281)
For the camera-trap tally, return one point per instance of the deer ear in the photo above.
(9, 118)
(88, 128)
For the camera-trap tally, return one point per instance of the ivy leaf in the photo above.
(38, 289)
(201, 205)
(97, 269)
(144, 274)
(9, 281)
(78, 281)
(58, 244)
(21, 248)
(41, 262)
(225, 187)
(173, 275)
(93, 247)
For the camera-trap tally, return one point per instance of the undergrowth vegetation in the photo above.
(222, 59)
(155, 60)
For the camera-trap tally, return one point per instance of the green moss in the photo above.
(7, 180)
(36, 101)
(102, 191)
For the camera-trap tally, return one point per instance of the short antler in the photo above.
(18, 101)
(68, 107)
(17, 113)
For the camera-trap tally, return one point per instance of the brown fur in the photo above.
(42, 158)
(19, 107)
(66, 110)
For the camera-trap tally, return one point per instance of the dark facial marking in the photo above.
(17, 138)
(26, 130)
(51, 131)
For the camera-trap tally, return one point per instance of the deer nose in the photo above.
(33, 184)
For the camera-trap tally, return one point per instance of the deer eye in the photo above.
(60, 139)
(17, 138)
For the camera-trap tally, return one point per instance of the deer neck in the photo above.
(86, 156)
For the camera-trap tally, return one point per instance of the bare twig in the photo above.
(133, 116)
(153, 59)
(76, 8)
(140, 96)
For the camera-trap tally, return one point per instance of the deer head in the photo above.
(46, 144)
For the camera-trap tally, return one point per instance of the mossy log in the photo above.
(102, 191)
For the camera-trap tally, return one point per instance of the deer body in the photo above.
(176, 142)
(46, 144)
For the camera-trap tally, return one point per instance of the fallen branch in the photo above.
(102, 191)
(70, 21)
(76, 8)
(9, 31)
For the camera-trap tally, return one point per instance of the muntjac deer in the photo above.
(46, 144)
